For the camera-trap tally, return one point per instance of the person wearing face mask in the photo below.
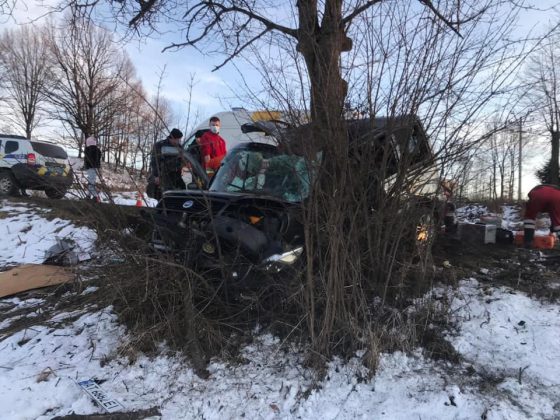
(212, 146)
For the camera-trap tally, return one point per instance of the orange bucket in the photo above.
(539, 242)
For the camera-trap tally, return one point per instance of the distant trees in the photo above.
(74, 74)
(543, 76)
(542, 173)
(88, 71)
(6, 7)
(491, 170)
(25, 74)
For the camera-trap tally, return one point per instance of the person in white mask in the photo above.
(212, 146)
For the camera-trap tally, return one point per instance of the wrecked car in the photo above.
(248, 217)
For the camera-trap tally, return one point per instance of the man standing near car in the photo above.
(92, 164)
(166, 169)
(212, 146)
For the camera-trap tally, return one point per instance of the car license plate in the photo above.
(91, 388)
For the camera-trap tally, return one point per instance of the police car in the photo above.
(33, 165)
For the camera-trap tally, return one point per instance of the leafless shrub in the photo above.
(364, 264)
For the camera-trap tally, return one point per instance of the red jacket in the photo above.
(212, 145)
(543, 199)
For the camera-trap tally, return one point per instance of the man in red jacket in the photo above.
(212, 146)
(542, 199)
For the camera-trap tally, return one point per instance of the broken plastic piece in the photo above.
(63, 253)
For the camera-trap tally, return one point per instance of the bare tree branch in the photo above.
(359, 10)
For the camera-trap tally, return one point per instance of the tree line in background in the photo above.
(492, 171)
(74, 73)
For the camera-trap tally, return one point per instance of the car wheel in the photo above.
(7, 184)
(56, 193)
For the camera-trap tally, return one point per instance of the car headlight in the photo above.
(286, 258)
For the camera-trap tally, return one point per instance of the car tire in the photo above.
(8, 185)
(55, 193)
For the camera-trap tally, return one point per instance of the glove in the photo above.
(528, 236)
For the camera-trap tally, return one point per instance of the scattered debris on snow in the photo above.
(508, 342)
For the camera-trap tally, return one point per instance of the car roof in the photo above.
(255, 146)
(16, 137)
(231, 131)
(50, 143)
(13, 136)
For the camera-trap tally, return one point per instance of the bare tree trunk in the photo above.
(554, 156)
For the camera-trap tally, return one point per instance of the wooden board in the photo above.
(32, 276)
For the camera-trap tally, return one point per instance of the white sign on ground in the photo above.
(99, 396)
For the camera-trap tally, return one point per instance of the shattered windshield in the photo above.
(264, 172)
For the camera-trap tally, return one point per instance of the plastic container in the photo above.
(491, 220)
(539, 242)
(477, 233)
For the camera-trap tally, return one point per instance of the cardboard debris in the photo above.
(32, 276)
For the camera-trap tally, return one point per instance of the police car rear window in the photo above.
(49, 150)
(11, 146)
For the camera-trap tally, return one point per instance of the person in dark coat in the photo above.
(92, 164)
(166, 169)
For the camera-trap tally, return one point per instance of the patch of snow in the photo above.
(26, 239)
(89, 290)
(471, 212)
(509, 341)
(515, 338)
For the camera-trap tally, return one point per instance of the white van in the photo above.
(231, 127)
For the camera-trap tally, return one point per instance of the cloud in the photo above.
(29, 13)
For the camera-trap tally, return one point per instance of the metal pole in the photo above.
(520, 157)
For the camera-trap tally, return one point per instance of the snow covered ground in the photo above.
(508, 341)
(26, 235)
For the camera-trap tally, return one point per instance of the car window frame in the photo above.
(43, 147)
(8, 143)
